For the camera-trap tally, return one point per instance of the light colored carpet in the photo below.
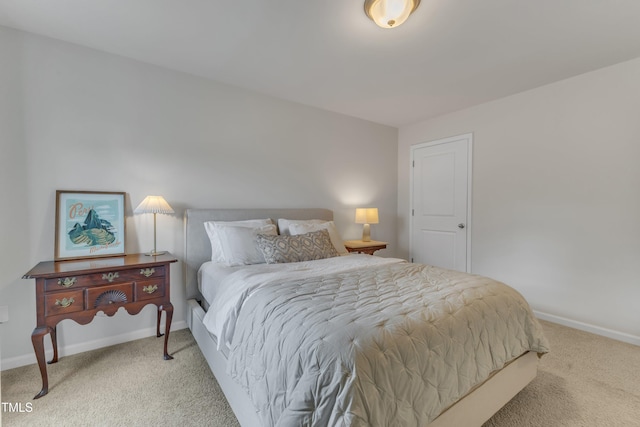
(128, 384)
(586, 380)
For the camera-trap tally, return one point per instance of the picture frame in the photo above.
(89, 224)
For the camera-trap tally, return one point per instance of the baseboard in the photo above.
(609, 333)
(28, 359)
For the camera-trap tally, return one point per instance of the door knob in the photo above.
(461, 225)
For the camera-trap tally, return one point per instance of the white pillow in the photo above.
(239, 245)
(210, 228)
(284, 224)
(303, 228)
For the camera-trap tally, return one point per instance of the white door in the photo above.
(440, 203)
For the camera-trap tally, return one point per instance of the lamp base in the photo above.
(366, 233)
(155, 253)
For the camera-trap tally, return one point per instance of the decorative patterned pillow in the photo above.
(330, 226)
(302, 247)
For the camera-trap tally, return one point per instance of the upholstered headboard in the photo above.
(197, 248)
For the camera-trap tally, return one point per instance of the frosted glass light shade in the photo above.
(390, 13)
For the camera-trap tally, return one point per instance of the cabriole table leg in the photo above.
(54, 343)
(37, 338)
(168, 308)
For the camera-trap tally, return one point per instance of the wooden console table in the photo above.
(79, 289)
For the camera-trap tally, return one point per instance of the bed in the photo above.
(308, 346)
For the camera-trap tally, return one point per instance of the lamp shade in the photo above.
(154, 204)
(366, 215)
(389, 13)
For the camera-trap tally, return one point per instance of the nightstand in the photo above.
(78, 290)
(359, 246)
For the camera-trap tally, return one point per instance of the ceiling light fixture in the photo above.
(390, 13)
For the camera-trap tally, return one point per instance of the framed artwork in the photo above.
(89, 224)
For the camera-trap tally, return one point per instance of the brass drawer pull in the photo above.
(67, 282)
(110, 276)
(150, 289)
(65, 302)
(147, 272)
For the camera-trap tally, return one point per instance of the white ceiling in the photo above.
(449, 55)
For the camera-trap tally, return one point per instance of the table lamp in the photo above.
(154, 205)
(366, 216)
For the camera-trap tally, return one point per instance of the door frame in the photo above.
(413, 148)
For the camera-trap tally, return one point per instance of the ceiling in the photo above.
(449, 55)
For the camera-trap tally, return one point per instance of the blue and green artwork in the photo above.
(90, 224)
(93, 231)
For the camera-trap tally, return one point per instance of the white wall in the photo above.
(73, 118)
(556, 195)
(15, 229)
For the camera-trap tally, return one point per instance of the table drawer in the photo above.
(98, 279)
(63, 302)
(149, 289)
(110, 295)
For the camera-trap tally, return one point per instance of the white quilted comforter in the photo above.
(366, 341)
